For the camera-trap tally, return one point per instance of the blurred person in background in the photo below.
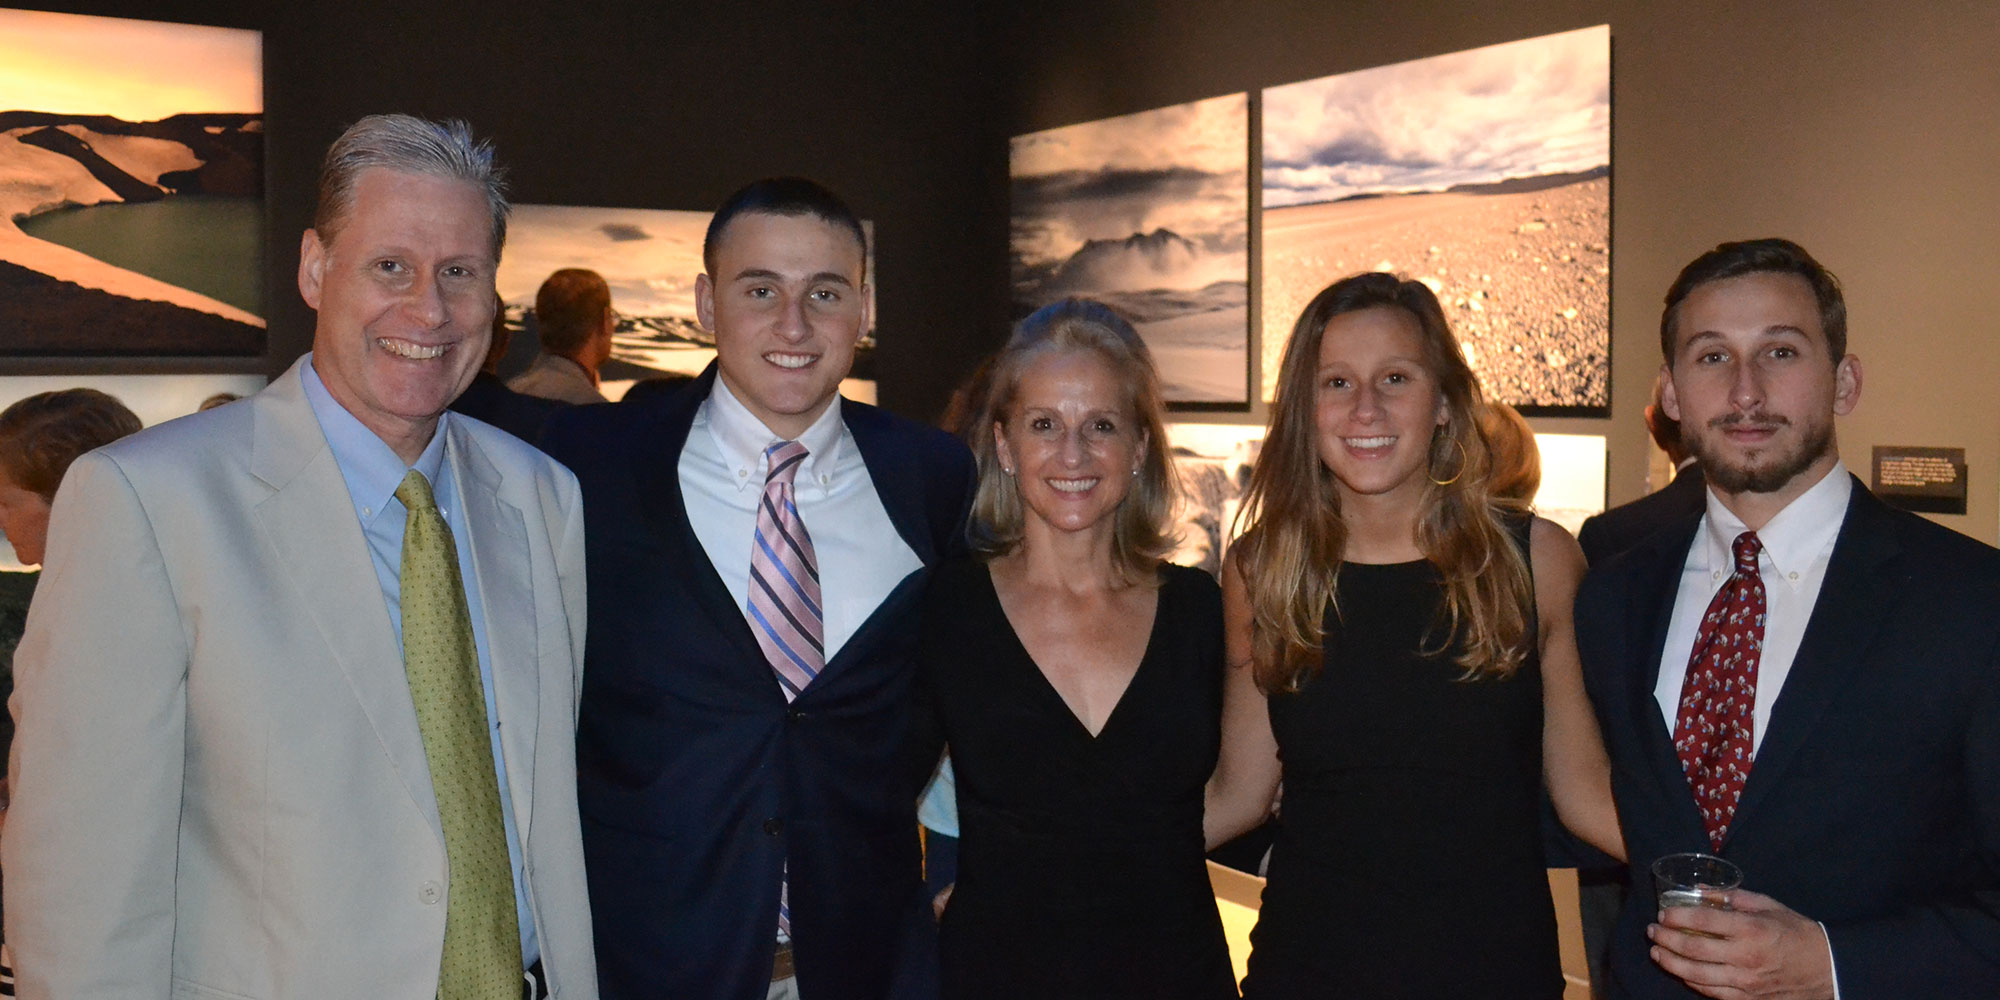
(489, 399)
(573, 319)
(1517, 461)
(1622, 527)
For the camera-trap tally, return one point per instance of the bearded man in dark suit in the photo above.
(1803, 681)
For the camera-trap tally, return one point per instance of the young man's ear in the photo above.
(1846, 385)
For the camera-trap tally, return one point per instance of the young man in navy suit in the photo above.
(1800, 679)
(756, 548)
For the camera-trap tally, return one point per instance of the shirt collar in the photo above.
(371, 468)
(1795, 537)
(742, 438)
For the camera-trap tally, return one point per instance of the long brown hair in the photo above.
(1293, 547)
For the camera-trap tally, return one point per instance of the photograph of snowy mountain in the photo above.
(1484, 174)
(1148, 213)
(131, 188)
(650, 258)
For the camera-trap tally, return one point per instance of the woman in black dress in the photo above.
(1077, 680)
(1402, 641)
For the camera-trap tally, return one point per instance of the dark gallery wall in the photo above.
(668, 105)
(1863, 130)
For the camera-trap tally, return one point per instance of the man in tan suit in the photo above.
(230, 778)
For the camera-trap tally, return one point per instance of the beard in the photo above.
(1774, 471)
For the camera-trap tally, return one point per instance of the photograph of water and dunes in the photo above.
(131, 188)
(1150, 214)
(1485, 174)
(650, 258)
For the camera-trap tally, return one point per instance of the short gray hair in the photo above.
(412, 145)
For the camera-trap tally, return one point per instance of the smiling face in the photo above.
(24, 517)
(1754, 386)
(404, 292)
(1071, 440)
(1377, 406)
(786, 305)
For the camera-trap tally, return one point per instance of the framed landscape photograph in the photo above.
(131, 192)
(1485, 174)
(650, 258)
(1214, 463)
(1148, 213)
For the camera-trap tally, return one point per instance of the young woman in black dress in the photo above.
(1077, 680)
(1402, 641)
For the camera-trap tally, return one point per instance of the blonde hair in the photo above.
(1141, 536)
(1292, 549)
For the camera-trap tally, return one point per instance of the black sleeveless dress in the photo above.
(1080, 858)
(1410, 859)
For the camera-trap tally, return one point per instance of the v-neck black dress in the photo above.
(1080, 858)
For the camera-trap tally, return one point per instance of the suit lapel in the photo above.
(502, 570)
(656, 457)
(309, 522)
(899, 486)
(1852, 598)
(1651, 618)
(898, 482)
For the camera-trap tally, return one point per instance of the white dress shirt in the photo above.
(1797, 543)
(861, 557)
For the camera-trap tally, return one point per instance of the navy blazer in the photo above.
(1873, 805)
(1626, 525)
(698, 782)
(517, 413)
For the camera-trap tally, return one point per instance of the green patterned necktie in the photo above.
(482, 938)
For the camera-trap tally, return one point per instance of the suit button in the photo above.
(430, 893)
(774, 826)
(794, 715)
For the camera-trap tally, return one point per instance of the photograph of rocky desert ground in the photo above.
(1150, 214)
(131, 188)
(1484, 174)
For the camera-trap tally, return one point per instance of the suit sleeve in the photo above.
(101, 710)
(1591, 538)
(571, 579)
(1950, 946)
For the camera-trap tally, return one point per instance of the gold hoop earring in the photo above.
(1463, 460)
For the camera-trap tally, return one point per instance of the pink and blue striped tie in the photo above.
(784, 606)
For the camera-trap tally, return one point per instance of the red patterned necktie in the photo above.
(1713, 727)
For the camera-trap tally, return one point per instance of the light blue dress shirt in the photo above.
(373, 472)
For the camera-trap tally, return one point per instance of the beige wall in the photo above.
(1869, 135)
(1866, 132)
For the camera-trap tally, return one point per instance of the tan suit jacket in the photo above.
(220, 788)
(557, 378)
